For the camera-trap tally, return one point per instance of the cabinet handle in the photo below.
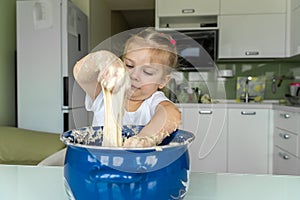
(187, 11)
(251, 53)
(284, 156)
(284, 135)
(248, 113)
(285, 116)
(205, 112)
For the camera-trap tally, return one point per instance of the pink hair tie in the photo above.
(173, 42)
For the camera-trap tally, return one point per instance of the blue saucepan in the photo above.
(95, 172)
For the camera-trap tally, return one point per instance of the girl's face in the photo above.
(146, 74)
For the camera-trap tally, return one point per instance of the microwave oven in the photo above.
(197, 50)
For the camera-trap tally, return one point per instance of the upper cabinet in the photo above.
(293, 39)
(188, 14)
(259, 28)
(187, 7)
(247, 29)
(230, 7)
(252, 36)
(252, 29)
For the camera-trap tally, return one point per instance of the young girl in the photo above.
(149, 57)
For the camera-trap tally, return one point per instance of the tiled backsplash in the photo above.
(284, 73)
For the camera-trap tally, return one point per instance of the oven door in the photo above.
(197, 50)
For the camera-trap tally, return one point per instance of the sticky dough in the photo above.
(114, 82)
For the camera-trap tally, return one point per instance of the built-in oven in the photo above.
(197, 49)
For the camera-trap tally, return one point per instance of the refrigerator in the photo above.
(52, 35)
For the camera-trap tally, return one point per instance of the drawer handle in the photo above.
(205, 112)
(284, 156)
(284, 135)
(251, 53)
(187, 11)
(248, 113)
(285, 116)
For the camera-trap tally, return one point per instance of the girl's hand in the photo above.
(165, 121)
(139, 142)
(100, 66)
(113, 77)
(112, 71)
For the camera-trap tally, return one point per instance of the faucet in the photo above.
(274, 79)
(247, 96)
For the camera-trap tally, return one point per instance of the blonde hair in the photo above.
(161, 45)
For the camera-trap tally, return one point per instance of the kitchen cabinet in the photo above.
(188, 14)
(187, 7)
(252, 36)
(286, 143)
(285, 163)
(248, 140)
(208, 152)
(247, 30)
(294, 28)
(230, 7)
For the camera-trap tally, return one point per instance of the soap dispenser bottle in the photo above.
(192, 97)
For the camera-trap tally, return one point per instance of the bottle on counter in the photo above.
(192, 96)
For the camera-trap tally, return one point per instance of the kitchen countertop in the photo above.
(19, 182)
(286, 108)
(232, 104)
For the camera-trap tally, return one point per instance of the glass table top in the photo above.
(19, 182)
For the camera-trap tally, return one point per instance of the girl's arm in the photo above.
(86, 74)
(166, 120)
(96, 67)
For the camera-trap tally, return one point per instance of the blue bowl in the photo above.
(95, 172)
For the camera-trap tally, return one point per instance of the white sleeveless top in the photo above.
(140, 117)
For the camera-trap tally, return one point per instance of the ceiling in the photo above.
(138, 13)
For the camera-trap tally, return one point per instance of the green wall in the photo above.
(286, 70)
(281, 68)
(7, 62)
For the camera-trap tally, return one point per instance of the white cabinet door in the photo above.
(294, 29)
(287, 120)
(187, 7)
(252, 7)
(208, 150)
(286, 143)
(285, 163)
(252, 36)
(248, 141)
(187, 14)
(253, 29)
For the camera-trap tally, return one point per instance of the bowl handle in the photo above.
(109, 175)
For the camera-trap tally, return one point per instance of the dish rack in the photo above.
(293, 100)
